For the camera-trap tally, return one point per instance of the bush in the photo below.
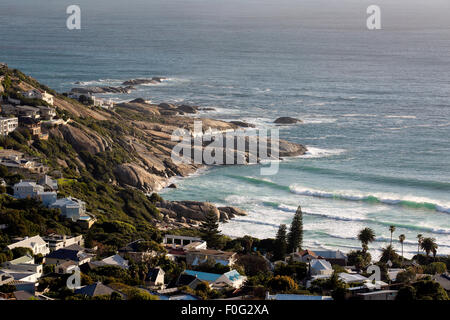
(282, 284)
(435, 268)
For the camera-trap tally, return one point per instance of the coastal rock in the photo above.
(188, 109)
(83, 140)
(94, 90)
(231, 212)
(153, 80)
(287, 120)
(172, 186)
(133, 175)
(243, 124)
(193, 210)
(138, 100)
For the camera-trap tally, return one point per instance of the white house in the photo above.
(70, 207)
(115, 260)
(218, 281)
(320, 267)
(23, 269)
(8, 125)
(27, 189)
(38, 94)
(36, 244)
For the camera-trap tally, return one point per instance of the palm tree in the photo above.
(392, 230)
(419, 241)
(429, 245)
(366, 236)
(401, 238)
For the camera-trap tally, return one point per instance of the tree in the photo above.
(389, 254)
(210, 230)
(419, 241)
(407, 293)
(280, 243)
(295, 236)
(282, 284)
(429, 245)
(391, 230)
(402, 238)
(366, 236)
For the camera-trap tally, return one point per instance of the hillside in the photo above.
(111, 158)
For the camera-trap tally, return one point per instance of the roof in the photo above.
(204, 276)
(352, 277)
(23, 259)
(116, 260)
(96, 289)
(131, 247)
(73, 252)
(443, 280)
(320, 264)
(25, 184)
(153, 274)
(305, 252)
(374, 293)
(211, 252)
(331, 254)
(185, 280)
(28, 242)
(233, 275)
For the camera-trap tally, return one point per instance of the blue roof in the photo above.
(204, 276)
(233, 275)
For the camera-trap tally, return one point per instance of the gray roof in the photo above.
(96, 289)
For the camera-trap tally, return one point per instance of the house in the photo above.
(38, 94)
(94, 290)
(32, 124)
(155, 277)
(135, 252)
(74, 253)
(320, 267)
(176, 240)
(302, 256)
(352, 278)
(47, 197)
(187, 280)
(23, 269)
(231, 278)
(67, 267)
(197, 257)
(280, 296)
(48, 183)
(379, 295)
(71, 208)
(115, 260)
(47, 113)
(8, 125)
(27, 112)
(218, 281)
(333, 256)
(36, 244)
(56, 241)
(5, 278)
(27, 189)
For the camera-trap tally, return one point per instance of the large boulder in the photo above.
(133, 175)
(287, 120)
(83, 140)
(193, 210)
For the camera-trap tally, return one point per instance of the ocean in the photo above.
(375, 105)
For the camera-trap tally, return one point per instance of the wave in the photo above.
(357, 176)
(314, 152)
(262, 182)
(293, 209)
(388, 199)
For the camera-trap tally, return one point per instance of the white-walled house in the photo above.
(320, 267)
(36, 244)
(38, 94)
(8, 125)
(71, 208)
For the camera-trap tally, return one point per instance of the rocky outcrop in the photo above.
(83, 140)
(129, 174)
(196, 211)
(107, 89)
(136, 82)
(287, 120)
(243, 124)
